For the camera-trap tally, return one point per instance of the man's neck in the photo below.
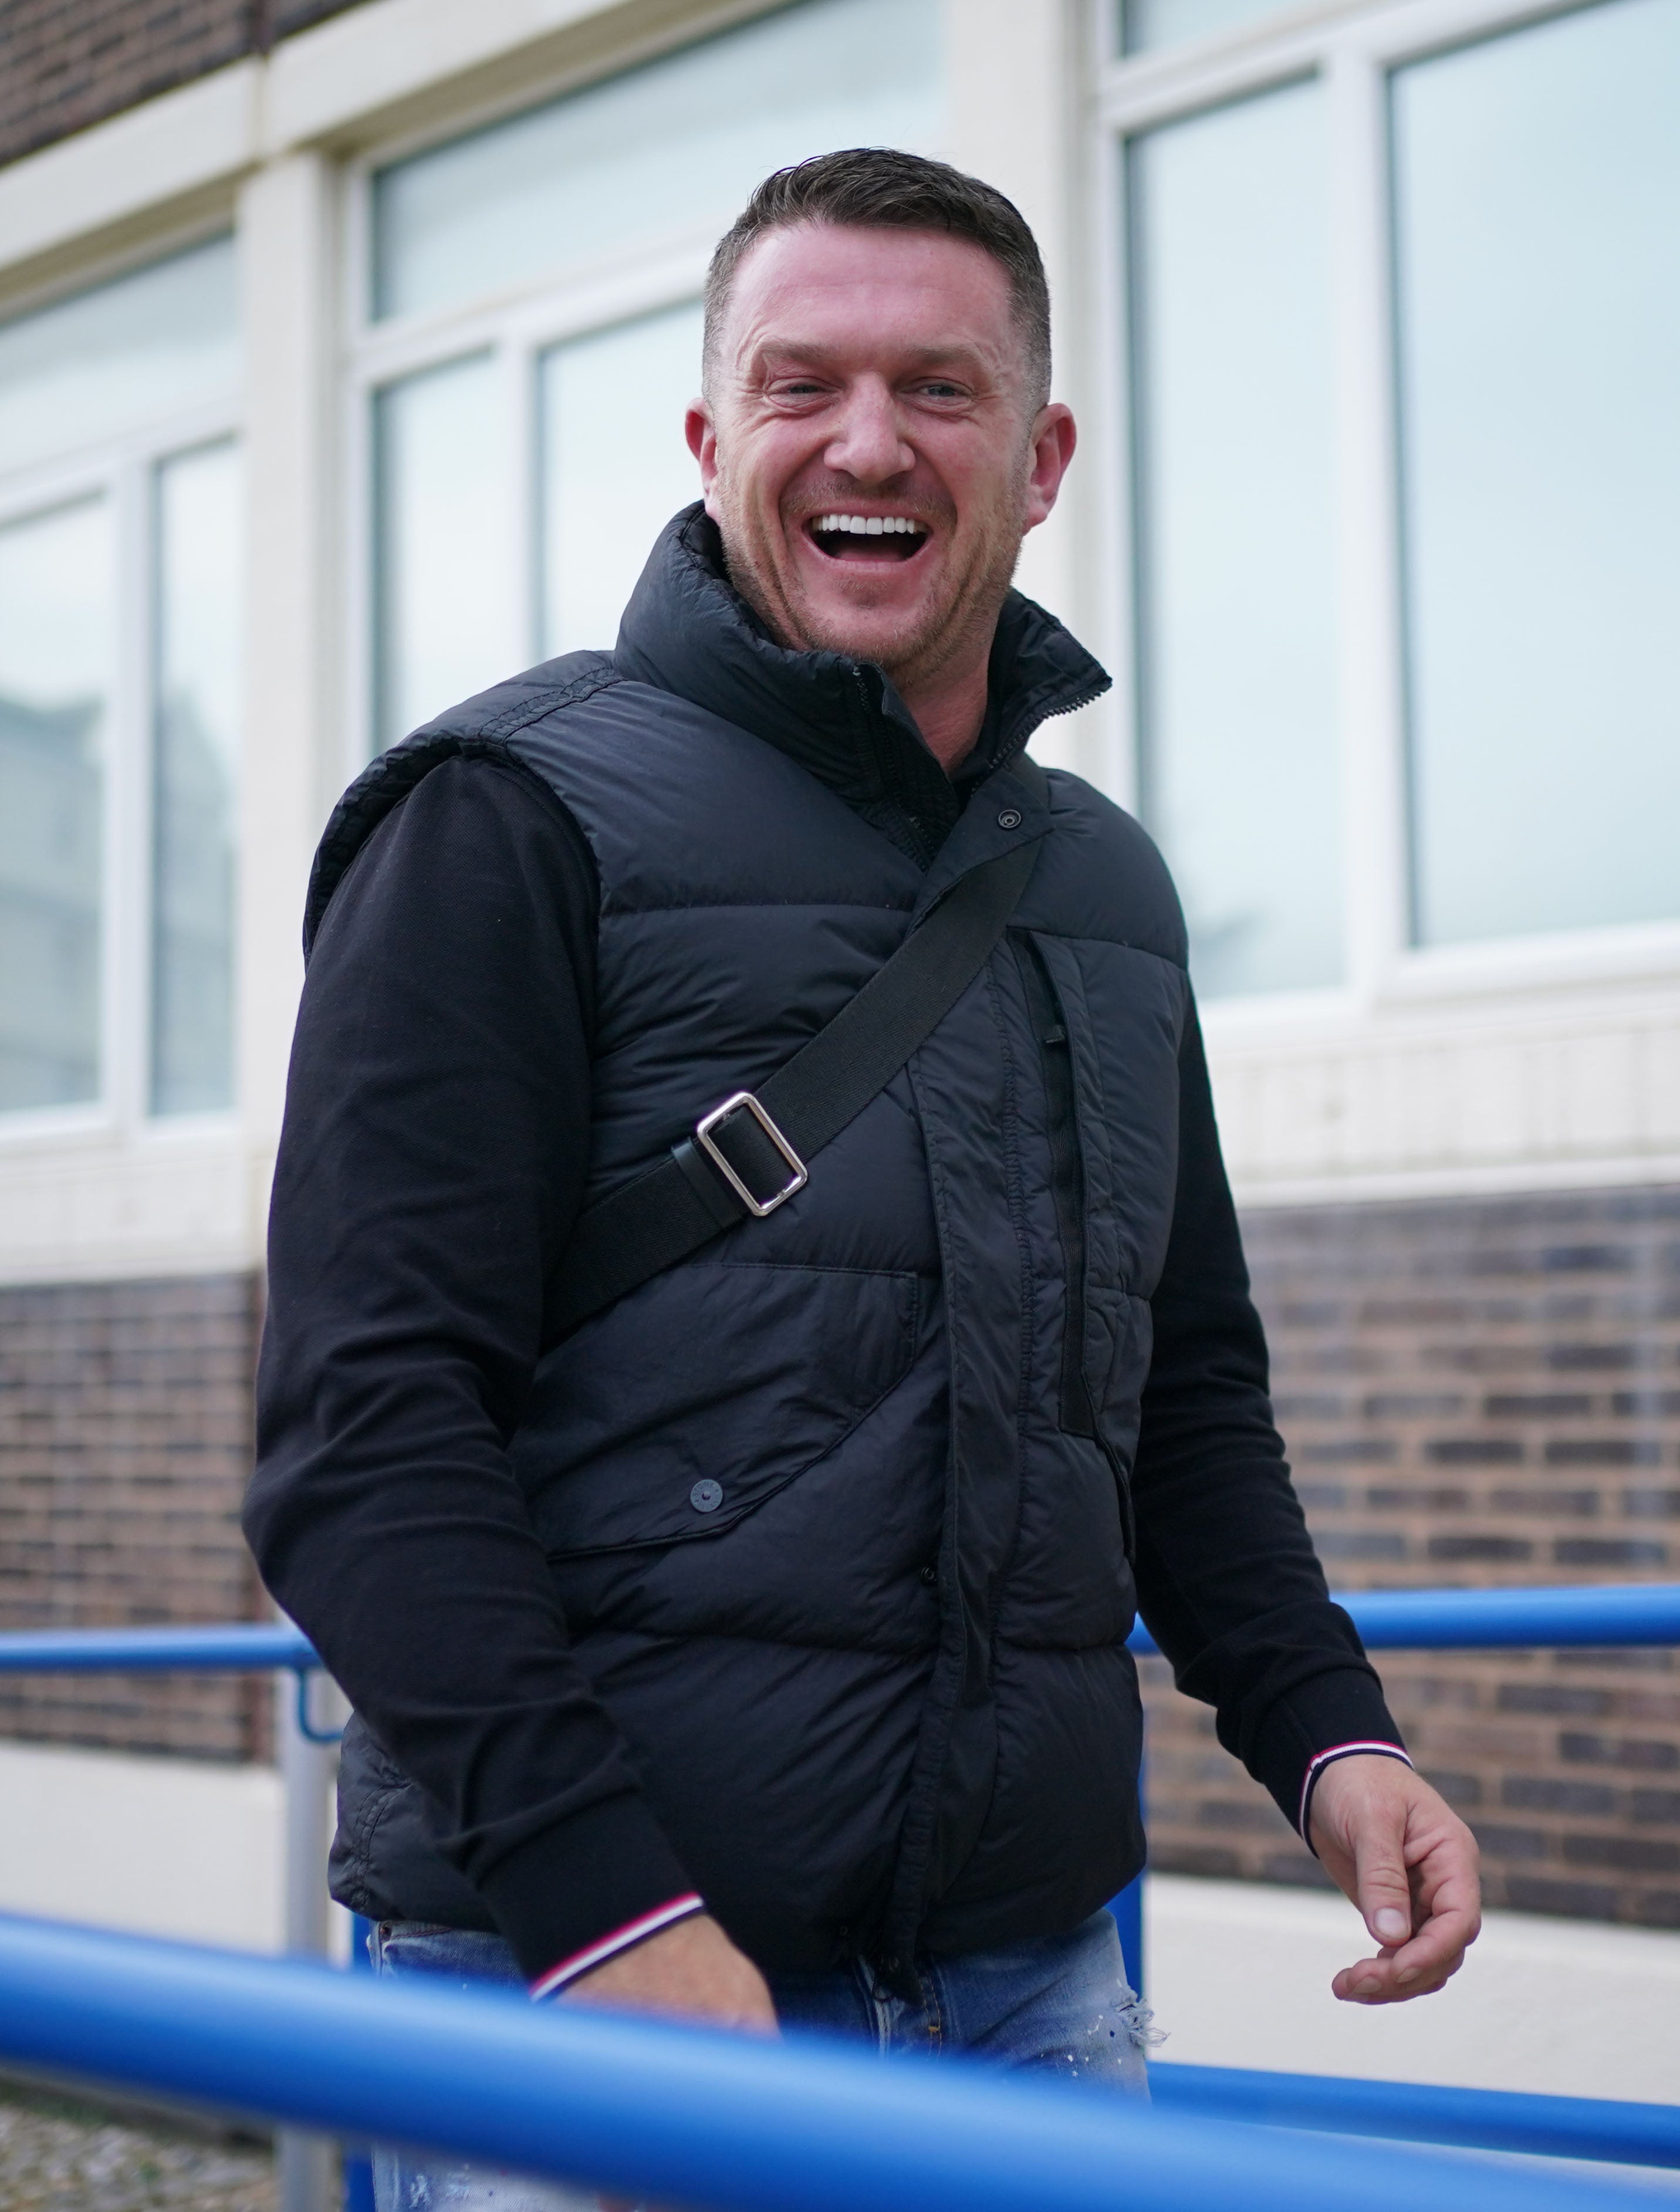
(950, 712)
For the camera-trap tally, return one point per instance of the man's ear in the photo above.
(1053, 439)
(701, 433)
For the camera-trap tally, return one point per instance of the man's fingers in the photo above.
(1439, 1944)
(1426, 1963)
(1372, 1983)
(1385, 1980)
(1383, 1885)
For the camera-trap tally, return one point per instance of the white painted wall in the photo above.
(192, 1849)
(1239, 1975)
(1486, 1084)
(172, 1847)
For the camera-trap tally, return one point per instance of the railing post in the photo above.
(359, 2156)
(308, 2163)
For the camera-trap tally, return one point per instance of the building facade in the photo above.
(343, 353)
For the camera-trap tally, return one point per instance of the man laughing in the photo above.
(729, 1543)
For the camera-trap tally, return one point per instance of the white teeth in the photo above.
(873, 526)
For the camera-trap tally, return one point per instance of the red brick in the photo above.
(62, 68)
(114, 1528)
(1423, 1294)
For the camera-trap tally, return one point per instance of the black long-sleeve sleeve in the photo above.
(435, 1143)
(1229, 1582)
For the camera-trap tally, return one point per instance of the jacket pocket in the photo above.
(689, 1404)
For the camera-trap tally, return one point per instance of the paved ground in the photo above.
(55, 2156)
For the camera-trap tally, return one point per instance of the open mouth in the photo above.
(867, 536)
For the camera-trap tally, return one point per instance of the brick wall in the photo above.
(1472, 1393)
(1479, 1392)
(65, 66)
(125, 1449)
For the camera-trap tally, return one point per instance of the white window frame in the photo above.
(1352, 53)
(123, 470)
(515, 328)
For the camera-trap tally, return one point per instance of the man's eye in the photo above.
(938, 389)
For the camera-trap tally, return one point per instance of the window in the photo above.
(1237, 675)
(195, 779)
(1538, 211)
(56, 624)
(447, 596)
(1404, 488)
(119, 359)
(533, 330)
(1148, 25)
(119, 604)
(675, 146)
(616, 465)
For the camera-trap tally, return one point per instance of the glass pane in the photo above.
(1235, 620)
(55, 677)
(616, 466)
(1148, 24)
(106, 361)
(1537, 187)
(447, 616)
(195, 781)
(675, 146)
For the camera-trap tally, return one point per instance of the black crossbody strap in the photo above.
(751, 1152)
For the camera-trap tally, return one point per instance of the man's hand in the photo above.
(691, 1971)
(1410, 1864)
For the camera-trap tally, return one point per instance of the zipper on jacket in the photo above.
(1067, 1177)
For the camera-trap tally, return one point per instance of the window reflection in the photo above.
(55, 676)
(119, 357)
(682, 142)
(447, 615)
(195, 781)
(616, 466)
(1538, 197)
(1146, 25)
(1236, 646)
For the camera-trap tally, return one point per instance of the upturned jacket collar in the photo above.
(687, 630)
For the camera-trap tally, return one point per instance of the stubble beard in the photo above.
(959, 620)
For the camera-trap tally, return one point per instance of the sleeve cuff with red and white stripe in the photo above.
(1324, 1759)
(621, 1939)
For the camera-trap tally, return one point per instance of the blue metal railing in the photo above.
(1389, 1620)
(1426, 2112)
(236, 1648)
(673, 2115)
(1492, 1619)
(1638, 1614)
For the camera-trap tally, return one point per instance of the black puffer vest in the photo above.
(879, 1690)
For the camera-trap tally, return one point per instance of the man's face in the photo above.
(870, 449)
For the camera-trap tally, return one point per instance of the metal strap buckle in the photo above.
(798, 1174)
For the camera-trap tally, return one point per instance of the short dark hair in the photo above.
(878, 188)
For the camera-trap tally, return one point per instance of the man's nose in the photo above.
(868, 444)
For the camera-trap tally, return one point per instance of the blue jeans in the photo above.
(1058, 2006)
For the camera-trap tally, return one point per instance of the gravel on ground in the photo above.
(60, 2155)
